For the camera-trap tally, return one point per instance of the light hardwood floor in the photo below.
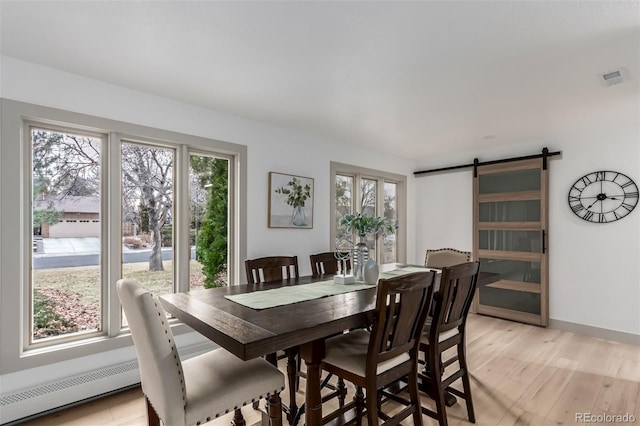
(521, 375)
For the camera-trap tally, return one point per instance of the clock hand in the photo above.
(592, 204)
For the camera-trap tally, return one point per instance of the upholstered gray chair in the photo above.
(445, 257)
(201, 388)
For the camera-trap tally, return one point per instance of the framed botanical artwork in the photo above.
(290, 201)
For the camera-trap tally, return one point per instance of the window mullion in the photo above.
(27, 231)
(380, 213)
(181, 241)
(112, 229)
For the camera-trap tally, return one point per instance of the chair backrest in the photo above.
(272, 268)
(453, 299)
(160, 367)
(326, 263)
(444, 257)
(402, 307)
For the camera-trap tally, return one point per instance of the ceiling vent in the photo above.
(613, 77)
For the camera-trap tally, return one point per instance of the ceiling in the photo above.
(413, 78)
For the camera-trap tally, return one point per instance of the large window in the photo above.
(147, 215)
(106, 205)
(66, 283)
(375, 193)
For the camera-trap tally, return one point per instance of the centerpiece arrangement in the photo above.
(364, 225)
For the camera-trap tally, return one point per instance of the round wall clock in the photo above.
(603, 196)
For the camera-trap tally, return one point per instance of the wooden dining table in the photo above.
(250, 333)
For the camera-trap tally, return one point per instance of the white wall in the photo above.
(444, 204)
(269, 149)
(594, 270)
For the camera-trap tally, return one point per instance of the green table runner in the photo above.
(300, 293)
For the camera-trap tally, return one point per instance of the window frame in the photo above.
(380, 177)
(15, 180)
(28, 288)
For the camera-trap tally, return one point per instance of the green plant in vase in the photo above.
(365, 225)
(297, 196)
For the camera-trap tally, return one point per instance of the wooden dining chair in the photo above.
(271, 268)
(440, 258)
(451, 304)
(326, 263)
(375, 359)
(277, 268)
(201, 388)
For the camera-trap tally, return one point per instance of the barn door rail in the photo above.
(544, 155)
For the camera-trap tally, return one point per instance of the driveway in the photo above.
(71, 246)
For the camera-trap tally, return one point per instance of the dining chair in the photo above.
(440, 258)
(277, 268)
(271, 268)
(199, 389)
(326, 263)
(375, 359)
(451, 304)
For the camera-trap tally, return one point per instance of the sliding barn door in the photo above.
(510, 239)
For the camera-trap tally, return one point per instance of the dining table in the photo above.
(254, 320)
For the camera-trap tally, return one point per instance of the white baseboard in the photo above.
(47, 397)
(602, 333)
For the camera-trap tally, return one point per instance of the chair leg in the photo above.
(415, 398)
(238, 418)
(438, 392)
(449, 399)
(466, 383)
(298, 368)
(359, 400)
(342, 392)
(372, 405)
(152, 415)
(275, 410)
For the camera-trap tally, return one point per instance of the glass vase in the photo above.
(298, 217)
(371, 272)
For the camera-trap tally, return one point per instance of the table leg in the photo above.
(313, 353)
(292, 376)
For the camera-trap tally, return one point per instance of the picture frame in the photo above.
(290, 201)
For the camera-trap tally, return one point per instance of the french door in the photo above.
(510, 239)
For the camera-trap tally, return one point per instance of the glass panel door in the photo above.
(510, 223)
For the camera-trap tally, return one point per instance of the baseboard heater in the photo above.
(42, 399)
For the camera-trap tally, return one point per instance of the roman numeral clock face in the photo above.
(603, 197)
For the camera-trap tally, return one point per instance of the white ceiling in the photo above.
(414, 78)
